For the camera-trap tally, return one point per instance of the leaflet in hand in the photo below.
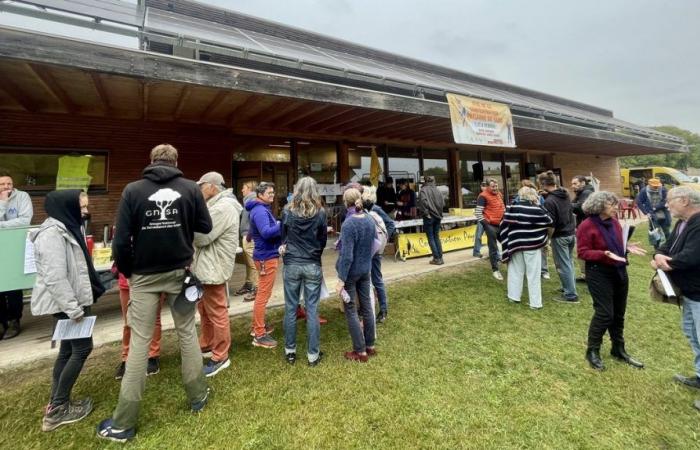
(67, 329)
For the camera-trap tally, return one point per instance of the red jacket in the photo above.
(590, 243)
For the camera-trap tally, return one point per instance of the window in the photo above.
(470, 187)
(42, 170)
(512, 177)
(318, 159)
(261, 149)
(435, 164)
(360, 161)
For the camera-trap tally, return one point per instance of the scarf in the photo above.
(612, 241)
(64, 206)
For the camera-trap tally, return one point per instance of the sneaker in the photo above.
(497, 275)
(264, 341)
(316, 361)
(106, 430)
(562, 299)
(371, 351)
(477, 255)
(322, 321)
(580, 279)
(153, 366)
(434, 262)
(197, 407)
(121, 368)
(535, 308)
(511, 300)
(354, 356)
(291, 358)
(206, 352)
(440, 262)
(250, 296)
(693, 382)
(381, 317)
(245, 289)
(213, 367)
(65, 414)
(268, 330)
(545, 276)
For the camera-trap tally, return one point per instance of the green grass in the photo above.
(459, 367)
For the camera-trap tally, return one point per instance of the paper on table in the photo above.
(67, 329)
(29, 262)
(666, 283)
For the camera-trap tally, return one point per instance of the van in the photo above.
(635, 178)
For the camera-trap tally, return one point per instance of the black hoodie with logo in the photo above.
(156, 222)
(558, 205)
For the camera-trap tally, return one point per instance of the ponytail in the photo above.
(358, 205)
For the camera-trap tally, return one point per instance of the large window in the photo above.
(319, 160)
(513, 177)
(269, 149)
(435, 164)
(470, 186)
(404, 165)
(360, 160)
(43, 170)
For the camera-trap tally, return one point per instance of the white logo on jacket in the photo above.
(163, 199)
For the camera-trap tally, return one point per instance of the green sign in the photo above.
(13, 242)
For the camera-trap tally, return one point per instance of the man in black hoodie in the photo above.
(156, 222)
(558, 204)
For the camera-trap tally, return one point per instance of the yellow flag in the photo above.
(374, 169)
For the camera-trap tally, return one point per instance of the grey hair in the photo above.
(369, 194)
(597, 201)
(692, 195)
(306, 201)
(529, 194)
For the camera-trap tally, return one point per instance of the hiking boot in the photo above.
(693, 382)
(435, 262)
(439, 262)
(264, 341)
(106, 430)
(250, 296)
(213, 367)
(153, 366)
(497, 275)
(197, 407)
(121, 368)
(65, 414)
(12, 330)
(245, 289)
(355, 356)
(268, 330)
(618, 352)
(316, 361)
(291, 358)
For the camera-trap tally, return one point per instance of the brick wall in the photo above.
(605, 168)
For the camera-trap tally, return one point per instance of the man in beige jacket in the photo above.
(214, 257)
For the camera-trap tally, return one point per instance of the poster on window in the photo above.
(480, 122)
(73, 173)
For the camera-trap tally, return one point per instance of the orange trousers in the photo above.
(216, 325)
(154, 349)
(267, 271)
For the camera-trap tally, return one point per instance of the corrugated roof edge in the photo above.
(248, 22)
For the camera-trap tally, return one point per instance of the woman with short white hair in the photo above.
(523, 233)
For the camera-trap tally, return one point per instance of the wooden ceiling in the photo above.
(37, 88)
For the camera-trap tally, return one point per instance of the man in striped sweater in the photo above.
(489, 212)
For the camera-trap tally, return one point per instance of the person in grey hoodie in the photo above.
(15, 211)
(430, 205)
(251, 273)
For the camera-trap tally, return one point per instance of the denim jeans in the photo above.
(492, 239)
(563, 252)
(362, 336)
(476, 251)
(431, 227)
(378, 282)
(69, 363)
(296, 278)
(690, 323)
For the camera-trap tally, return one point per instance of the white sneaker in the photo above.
(497, 275)
(545, 276)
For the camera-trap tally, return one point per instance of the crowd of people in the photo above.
(173, 233)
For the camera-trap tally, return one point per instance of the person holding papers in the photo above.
(602, 246)
(679, 256)
(66, 285)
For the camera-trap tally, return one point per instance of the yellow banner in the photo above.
(480, 122)
(73, 173)
(413, 245)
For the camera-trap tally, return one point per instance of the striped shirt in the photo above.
(524, 227)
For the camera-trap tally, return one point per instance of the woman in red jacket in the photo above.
(600, 244)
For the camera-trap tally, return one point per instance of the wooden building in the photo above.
(254, 99)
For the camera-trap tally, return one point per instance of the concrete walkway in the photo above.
(34, 341)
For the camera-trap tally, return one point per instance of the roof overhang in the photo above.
(41, 73)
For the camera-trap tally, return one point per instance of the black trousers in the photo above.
(69, 363)
(10, 306)
(492, 240)
(608, 288)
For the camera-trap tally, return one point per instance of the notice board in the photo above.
(13, 243)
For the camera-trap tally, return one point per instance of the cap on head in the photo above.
(654, 182)
(214, 178)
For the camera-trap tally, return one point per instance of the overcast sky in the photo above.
(639, 58)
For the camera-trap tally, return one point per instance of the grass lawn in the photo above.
(458, 367)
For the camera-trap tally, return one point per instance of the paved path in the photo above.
(34, 341)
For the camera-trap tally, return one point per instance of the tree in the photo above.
(676, 160)
(164, 198)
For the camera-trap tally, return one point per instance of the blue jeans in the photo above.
(431, 227)
(563, 252)
(378, 282)
(690, 323)
(477, 239)
(296, 277)
(362, 337)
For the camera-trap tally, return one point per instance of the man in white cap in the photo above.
(214, 257)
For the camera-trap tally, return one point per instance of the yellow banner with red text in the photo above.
(413, 245)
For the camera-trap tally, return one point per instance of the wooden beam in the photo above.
(218, 100)
(313, 109)
(185, 93)
(368, 119)
(256, 118)
(232, 116)
(14, 92)
(322, 125)
(101, 92)
(354, 117)
(285, 112)
(390, 124)
(145, 97)
(343, 162)
(48, 82)
(311, 125)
